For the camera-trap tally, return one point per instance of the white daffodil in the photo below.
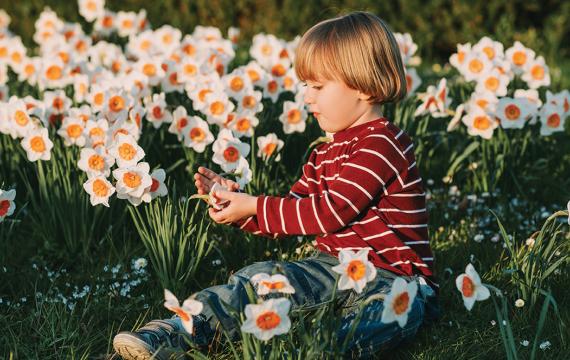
(561, 98)
(268, 145)
(126, 151)
(158, 188)
(493, 49)
(99, 190)
(355, 269)
(407, 46)
(267, 284)
(272, 89)
(493, 81)
(513, 113)
(19, 119)
(214, 202)
(551, 118)
(151, 68)
(91, 9)
(72, 132)
(96, 132)
(458, 59)
(132, 182)
(294, 117)
(117, 105)
(7, 204)
(250, 101)
(456, 120)
(179, 122)
(435, 101)
(486, 101)
(267, 319)
(413, 81)
(156, 111)
(257, 75)
(243, 125)
(469, 284)
(519, 56)
(228, 150)
(480, 123)
(197, 134)
(243, 173)
(399, 301)
(536, 74)
(475, 65)
(236, 83)
(217, 108)
(189, 308)
(265, 49)
(95, 162)
(37, 145)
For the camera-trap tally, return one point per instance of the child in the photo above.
(362, 190)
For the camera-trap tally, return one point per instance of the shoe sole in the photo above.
(132, 348)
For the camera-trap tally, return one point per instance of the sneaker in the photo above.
(159, 339)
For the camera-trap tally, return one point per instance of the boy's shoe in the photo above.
(159, 339)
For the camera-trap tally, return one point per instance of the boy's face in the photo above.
(335, 106)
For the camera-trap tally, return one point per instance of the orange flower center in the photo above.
(401, 303)
(149, 70)
(467, 287)
(461, 56)
(53, 72)
(266, 50)
(268, 320)
(482, 122)
(356, 270)
(272, 86)
(217, 108)
(202, 94)
(98, 98)
(553, 121)
(37, 144)
(231, 154)
(4, 206)
(74, 131)
(96, 162)
(248, 102)
(190, 69)
(492, 83)
(182, 123)
(21, 118)
(490, 52)
(269, 148)
(482, 103)
(519, 58)
(182, 314)
(253, 75)
(197, 134)
(537, 72)
(277, 285)
(127, 151)
(100, 188)
(173, 78)
(154, 186)
(107, 21)
(116, 103)
(132, 179)
(512, 112)
(475, 66)
(157, 112)
(30, 69)
(189, 49)
(91, 6)
(96, 132)
(278, 70)
(243, 125)
(236, 84)
(294, 116)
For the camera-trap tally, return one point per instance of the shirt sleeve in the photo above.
(374, 164)
(299, 190)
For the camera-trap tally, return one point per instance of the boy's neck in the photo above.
(373, 113)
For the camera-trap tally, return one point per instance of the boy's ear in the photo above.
(363, 96)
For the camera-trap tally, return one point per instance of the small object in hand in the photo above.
(211, 198)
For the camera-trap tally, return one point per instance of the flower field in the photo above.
(101, 226)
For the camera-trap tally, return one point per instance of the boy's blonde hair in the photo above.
(358, 49)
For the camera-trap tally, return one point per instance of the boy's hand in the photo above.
(205, 178)
(240, 206)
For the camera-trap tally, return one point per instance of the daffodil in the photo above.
(156, 111)
(91, 9)
(480, 123)
(267, 319)
(37, 145)
(469, 284)
(267, 284)
(269, 145)
(228, 150)
(158, 188)
(126, 151)
(519, 56)
(197, 134)
(132, 182)
(189, 308)
(99, 190)
(513, 113)
(294, 117)
(95, 162)
(552, 119)
(72, 131)
(355, 269)
(7, 204)
(537, 73)
(398, 303)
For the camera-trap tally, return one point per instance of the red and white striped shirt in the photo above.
(361, 190)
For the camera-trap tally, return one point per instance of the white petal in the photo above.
(482, 293)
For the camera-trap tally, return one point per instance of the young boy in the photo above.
(362, 190)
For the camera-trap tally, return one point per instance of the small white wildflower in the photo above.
(140, 263)
(525, 343)
(529, 242)
(478, 238)
(519, 303)
(545, 345)
(493, 323)
(496, 238)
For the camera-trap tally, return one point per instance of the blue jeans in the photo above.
(314, 281)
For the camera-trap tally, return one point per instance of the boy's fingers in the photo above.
(207, 173)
